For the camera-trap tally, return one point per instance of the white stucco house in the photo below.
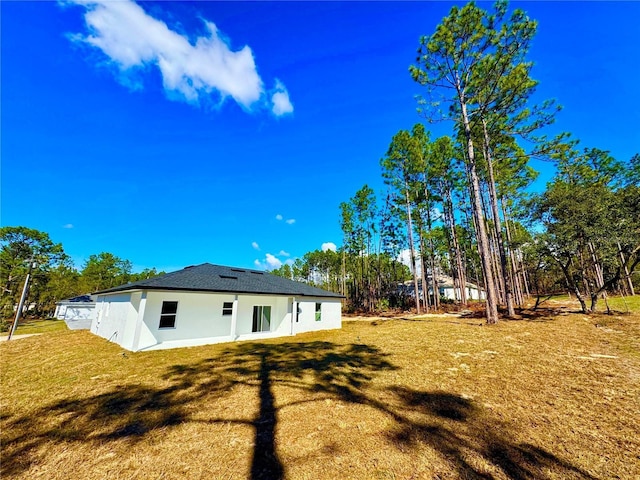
(446, 289)
(205, 304)
(77, 312)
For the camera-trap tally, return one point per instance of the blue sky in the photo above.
(176, 133)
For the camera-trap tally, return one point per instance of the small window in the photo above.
(227, 308)
(168, 314)
(318, 312)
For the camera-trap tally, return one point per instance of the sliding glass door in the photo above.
(261, 318)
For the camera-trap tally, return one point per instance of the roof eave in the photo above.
(205, 290)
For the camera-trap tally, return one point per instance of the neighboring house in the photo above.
(445, 289)
(77, 312)
(206, 304)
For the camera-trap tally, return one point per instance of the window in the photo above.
(227, 308)
(168, 314)
(318, 312)
(261, 319)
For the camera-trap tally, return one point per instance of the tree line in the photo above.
(53, 275)
(460, 204)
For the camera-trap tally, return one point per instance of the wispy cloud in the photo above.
(280, 100)
(290, 221)
(284, 254)
(255, 245)
(329, 246)
(68, 225)
(208, 70)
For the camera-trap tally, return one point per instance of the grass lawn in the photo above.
(551, 396)
(36, 326)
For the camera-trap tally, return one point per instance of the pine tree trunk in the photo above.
(514, 270)
(459, 284)
(423, 274)
(508, 290)
(412, 260)
(524, 276)
(432, 261)
(452, 258)
(344, 272)
(495, 261)
(476, 205)
(478, 277)
(499, 280)
(462, 280)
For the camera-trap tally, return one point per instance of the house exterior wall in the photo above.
(61, 310)
(77, 315)
(199, 315)
(133, 319)
(330, 314)
(472, 293)
(280, 315)
(114, 317)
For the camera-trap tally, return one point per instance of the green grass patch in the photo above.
(37, 326)
(622, 304)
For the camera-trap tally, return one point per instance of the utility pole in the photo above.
(23, 297)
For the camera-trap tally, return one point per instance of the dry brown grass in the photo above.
(440, 397)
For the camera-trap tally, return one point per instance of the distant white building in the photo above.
(77, 312)
(446, 289)
(207, 304)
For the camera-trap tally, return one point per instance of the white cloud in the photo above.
(192, 72)
(290, 221)
(255, 245)
(270, 262)
(68, 225)
(280, 100)
(290, 261)
(284, 254)
(329, 246)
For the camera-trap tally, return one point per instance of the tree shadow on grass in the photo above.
(131, 411)
(433, 418)
(450, 424)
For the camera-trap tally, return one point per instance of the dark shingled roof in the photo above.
(216, 278)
